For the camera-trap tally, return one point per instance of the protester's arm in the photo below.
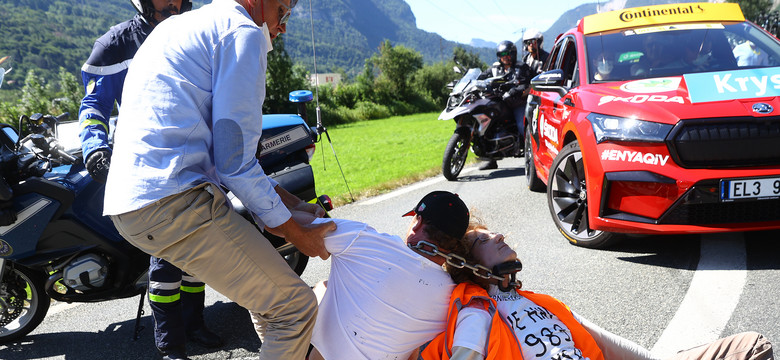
(471, 333)
(461, 353)
(614, 346)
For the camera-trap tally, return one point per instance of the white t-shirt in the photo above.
(541, 334)
(383, 300)
(746, 55)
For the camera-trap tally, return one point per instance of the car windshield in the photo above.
(673, 50)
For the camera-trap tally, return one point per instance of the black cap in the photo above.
(444, 210)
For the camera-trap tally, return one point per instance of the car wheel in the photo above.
(532, 180)
(567, 198)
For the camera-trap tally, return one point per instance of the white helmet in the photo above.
(533, 34)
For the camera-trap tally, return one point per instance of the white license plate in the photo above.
(750, 189)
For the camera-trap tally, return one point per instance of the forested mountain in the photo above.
(349, 31)
(46, 34)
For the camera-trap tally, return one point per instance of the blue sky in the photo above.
(491, 20)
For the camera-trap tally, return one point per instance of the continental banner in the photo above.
(661, 14)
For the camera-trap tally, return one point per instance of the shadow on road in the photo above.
(482, 175)
(115, 341)
(763, 250)
(683, 251)
(671, 251)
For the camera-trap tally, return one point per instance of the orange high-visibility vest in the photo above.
(502, 343)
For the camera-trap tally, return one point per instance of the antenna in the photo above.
(320, 127)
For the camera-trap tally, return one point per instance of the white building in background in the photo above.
(328, 78)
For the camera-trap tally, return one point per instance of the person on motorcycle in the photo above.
(176, 298)
(534, 56)
(187, 133)
(515, 90)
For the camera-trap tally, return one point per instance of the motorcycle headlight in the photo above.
(615, 128)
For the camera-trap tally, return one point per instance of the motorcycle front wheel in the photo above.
(23, 302)
(455, 155)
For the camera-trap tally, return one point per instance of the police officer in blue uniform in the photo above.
(176, 298)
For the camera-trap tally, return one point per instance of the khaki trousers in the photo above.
(200, 234)
(742, 346)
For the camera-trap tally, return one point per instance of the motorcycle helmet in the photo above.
(533, 34)
(146, 8)
(507, 47)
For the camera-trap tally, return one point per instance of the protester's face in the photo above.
(489, 247)
(276, 13)
(165, 8)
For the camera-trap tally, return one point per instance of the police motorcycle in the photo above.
(483, 122)
(54, 241)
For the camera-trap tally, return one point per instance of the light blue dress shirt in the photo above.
(192, 113)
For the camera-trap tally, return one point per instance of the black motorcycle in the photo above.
(54, 241)
(483, 122)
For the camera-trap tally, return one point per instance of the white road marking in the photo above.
(419, 185)
(712, 297)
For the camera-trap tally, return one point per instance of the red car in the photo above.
(658, 120)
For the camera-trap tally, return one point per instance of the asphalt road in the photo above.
(664, 292)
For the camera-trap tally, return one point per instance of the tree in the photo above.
(282, 77)
(432, 81)
(467, 59)
(752, 9)
(396, 66)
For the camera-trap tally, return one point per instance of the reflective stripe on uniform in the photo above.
(163, 299)
(157, 285)
(88, 122)
(189, 279)
(193, 289)
(106, 70)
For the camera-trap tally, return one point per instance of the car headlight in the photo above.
(615, 128)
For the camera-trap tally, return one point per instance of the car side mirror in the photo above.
(551, 81)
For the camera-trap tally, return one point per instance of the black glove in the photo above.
(509, 93)
(98, 163)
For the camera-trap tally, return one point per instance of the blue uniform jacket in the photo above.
(103, 76)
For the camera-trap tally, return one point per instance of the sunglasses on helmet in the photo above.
(504, 53)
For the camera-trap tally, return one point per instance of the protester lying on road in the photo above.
(493, 319)
(385, 297)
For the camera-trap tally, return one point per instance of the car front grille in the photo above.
(700, 205)
(724, 213)
(729, 142)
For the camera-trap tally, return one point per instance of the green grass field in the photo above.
(380, 155)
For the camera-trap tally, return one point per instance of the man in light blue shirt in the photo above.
(189, 126)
